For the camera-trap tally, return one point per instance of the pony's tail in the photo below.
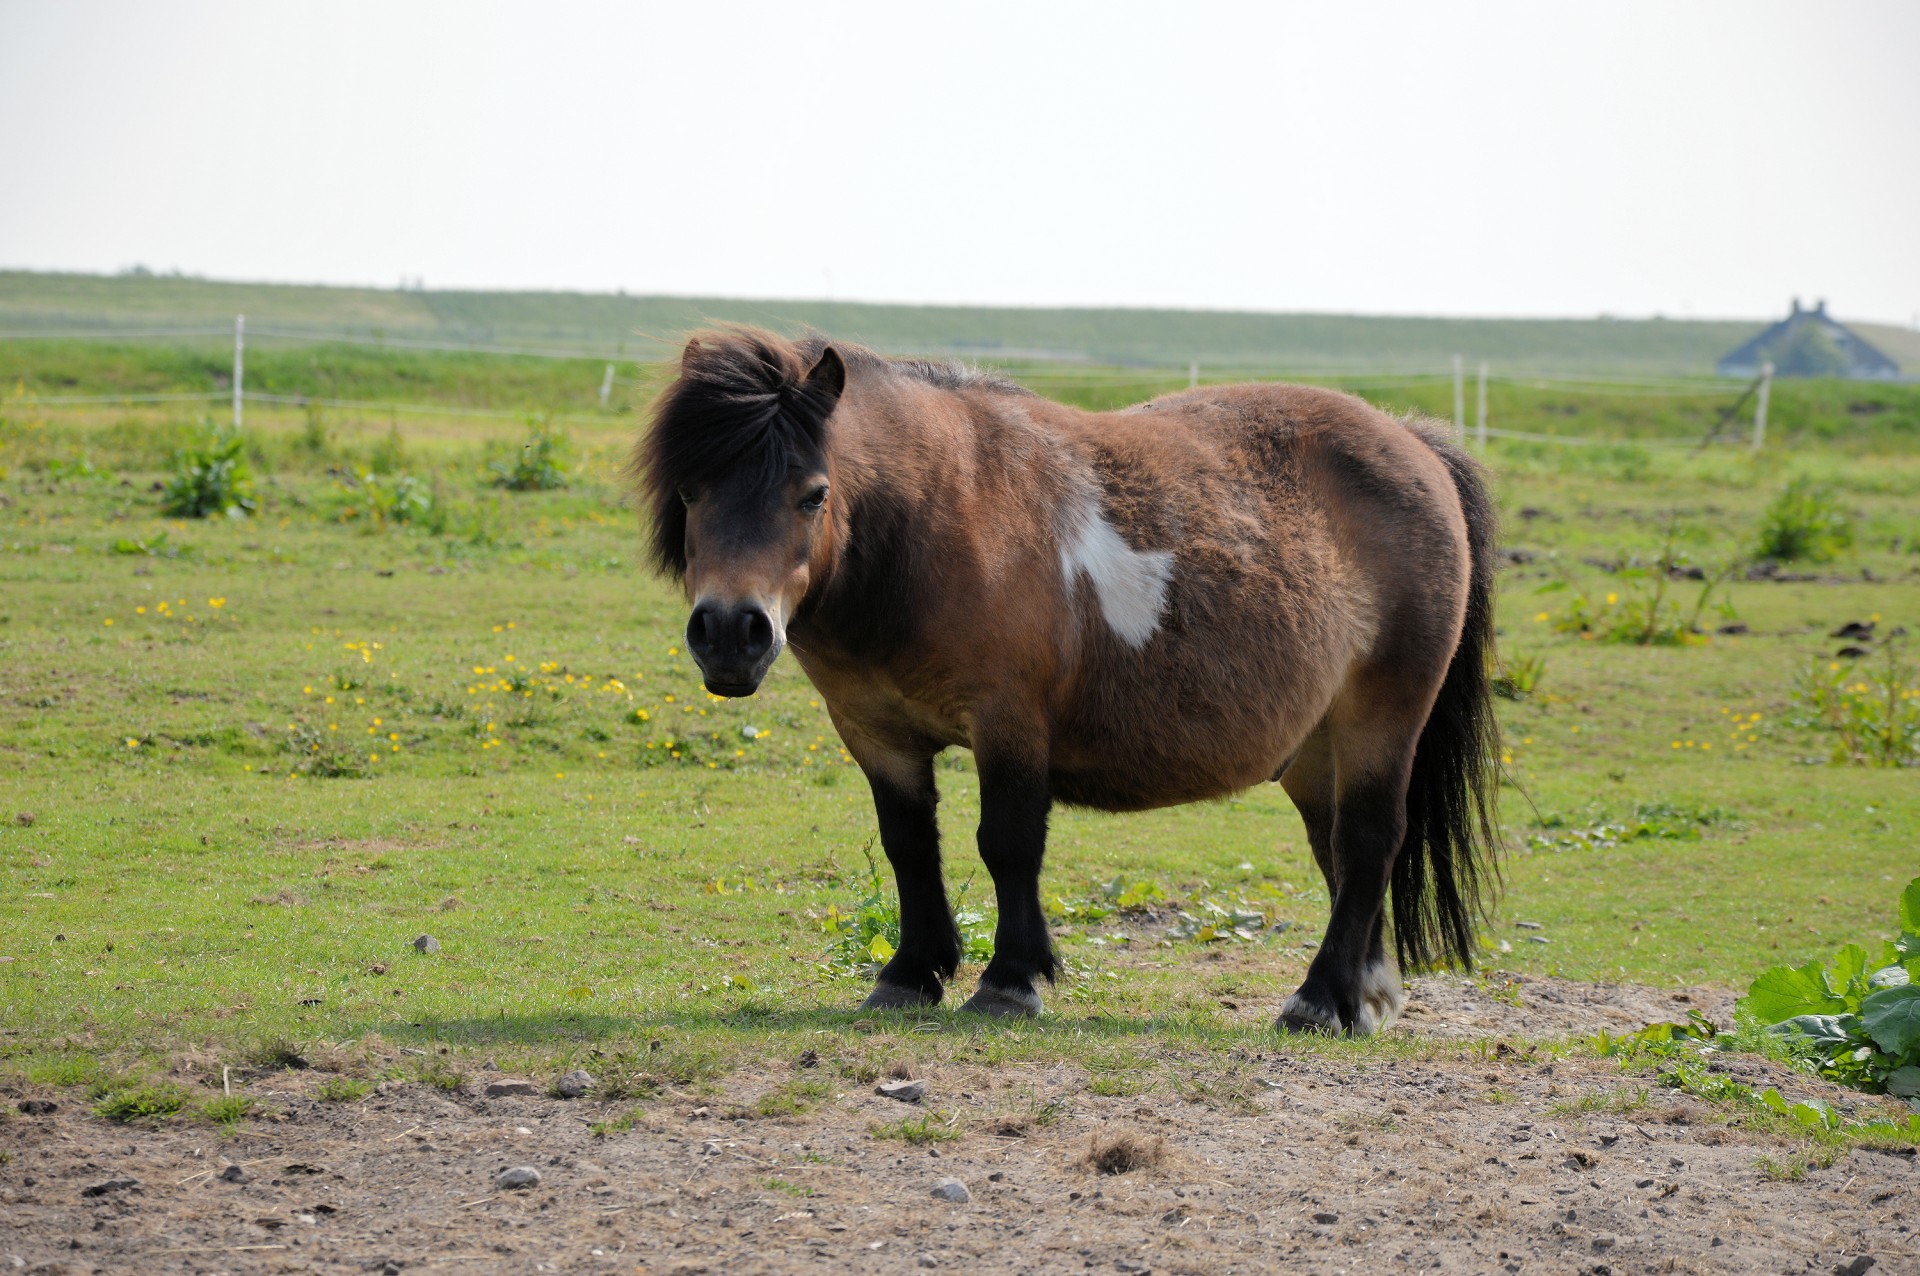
(1448, 868)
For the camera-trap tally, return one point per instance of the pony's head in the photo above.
(739, 493)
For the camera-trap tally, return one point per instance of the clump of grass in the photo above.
(278, 1053)
(228, 1110)
(343, 1089)
(616, 1125)
(441, 1076)
(1873, 714)
(928, 1127)
(211, 476)
(149, 1102)
(1116, 1085)
(1804, 522)
(792, 1098)
(1124, 1151)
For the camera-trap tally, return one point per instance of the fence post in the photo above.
(1459, 398)
(1760, 408)
(1480, 409)
(1193, 373)
(606, 385)
(239, 363)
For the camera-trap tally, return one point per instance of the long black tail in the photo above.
(1448, 869)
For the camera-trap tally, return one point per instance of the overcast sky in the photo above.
(1699, 159)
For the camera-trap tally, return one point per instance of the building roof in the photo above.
(1810, 343)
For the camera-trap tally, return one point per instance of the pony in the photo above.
(1119, 610)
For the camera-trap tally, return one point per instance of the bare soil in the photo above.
(1476, 1162)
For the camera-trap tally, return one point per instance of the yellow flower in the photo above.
(216, 602)
(141, 611)
(107, 621)
(132, 743)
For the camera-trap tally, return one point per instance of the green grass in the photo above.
(651, 326)
(226, 822)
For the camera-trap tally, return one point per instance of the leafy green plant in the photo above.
(1599, 830)
(1804, 522)
(211, 476)
(1518, 675)
(1646, 615)
(1874, 715)
(540, 465)
(383, 498)
(1858, 1024)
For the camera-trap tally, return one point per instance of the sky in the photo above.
(1688, 159)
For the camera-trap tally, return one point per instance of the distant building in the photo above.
(1810, 343)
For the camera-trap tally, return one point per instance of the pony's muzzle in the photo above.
(734, 645)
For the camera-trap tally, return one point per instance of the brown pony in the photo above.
(1119, 610)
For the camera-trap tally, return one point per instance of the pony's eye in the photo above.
(686, 496)
(813, 500)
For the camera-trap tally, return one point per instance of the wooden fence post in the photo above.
(1760, 407)
(239, 363)
(1480, 408)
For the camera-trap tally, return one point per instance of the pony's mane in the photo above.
(742, 399)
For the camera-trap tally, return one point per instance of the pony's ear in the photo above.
(693, 350)
(829, 375)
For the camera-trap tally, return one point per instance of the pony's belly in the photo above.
(1165, 764)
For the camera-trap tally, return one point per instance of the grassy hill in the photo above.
(603, 325)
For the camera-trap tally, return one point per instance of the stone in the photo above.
(233, 1174)
(111, 1185)
(952, 1190)
(925, 1260)
(1326, 1216)
(37, 1107)
(427, 944)
(904, 1091)
(518, 1179)
(511, 1086)
(573, 1084)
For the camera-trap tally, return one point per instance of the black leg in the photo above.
(1350, 987)
(1014, 802)
(929, 950)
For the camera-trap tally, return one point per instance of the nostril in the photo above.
(759, 631)
(700, 629)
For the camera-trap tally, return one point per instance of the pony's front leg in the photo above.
(1014, 802)
(904, 797)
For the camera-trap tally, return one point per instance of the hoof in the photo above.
(1305, 1014)
(886, 996)
(1004, 1003)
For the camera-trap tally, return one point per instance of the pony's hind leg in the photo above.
(904, 800)
(1352, 795)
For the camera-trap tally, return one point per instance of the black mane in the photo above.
(742, 399)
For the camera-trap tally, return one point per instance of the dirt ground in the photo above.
(1475, 1164)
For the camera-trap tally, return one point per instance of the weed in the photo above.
(153, 1102)
(541, 463)
(1874, 714)
(1804, 522)
(343, 1089)
(1599, 830)
(210, 476)
(616, 1125)
(278, 1053)
(791, 1189)
(793, 1098)
(1518, 676)
(928, 1127)
(1117, 1085)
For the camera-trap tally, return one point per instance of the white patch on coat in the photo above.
(1130, 584)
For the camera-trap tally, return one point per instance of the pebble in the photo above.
(952, 1190)
(506, 1086)
(1326, 1216)
(427, 944)
(233, 1174)
(925, 1260)
(574, 1084)
(38, 1107)
(905, 1091)
(518, 1178)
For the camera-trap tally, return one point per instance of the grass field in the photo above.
(644, 326)
(245, 762)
